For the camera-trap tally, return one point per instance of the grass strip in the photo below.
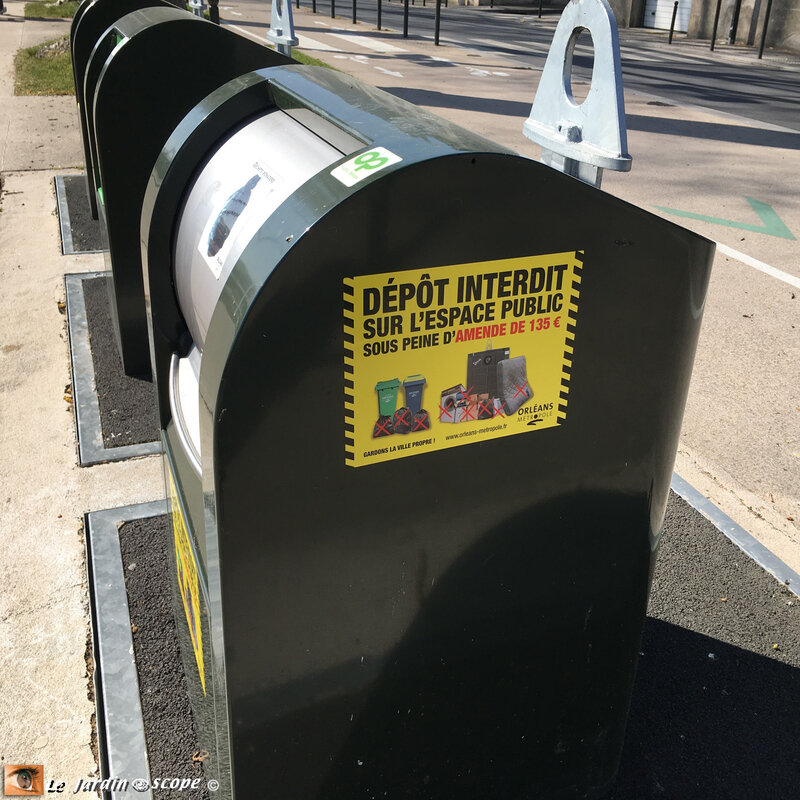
(310, 61)
(46, 69)
(39, 71)
(39, 9)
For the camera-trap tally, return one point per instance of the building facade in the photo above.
(696, 18)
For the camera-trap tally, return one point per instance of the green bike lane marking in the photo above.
(771, 223)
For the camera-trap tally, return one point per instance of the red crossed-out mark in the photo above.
(443, 411)
(499, 413)
(422, 423)
(521, 391)
(465, 396)
(382, 429)
(486, 409)
(402, 418)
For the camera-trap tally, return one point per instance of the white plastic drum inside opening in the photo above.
(236, 192)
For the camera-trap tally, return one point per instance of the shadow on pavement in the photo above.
(738, 134)
(426, 97)
(709, 721)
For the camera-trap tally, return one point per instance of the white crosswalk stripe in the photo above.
(307, 43)
(371, 44)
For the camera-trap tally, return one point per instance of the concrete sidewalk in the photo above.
(35, 132)
(45, 653)
(45, 674)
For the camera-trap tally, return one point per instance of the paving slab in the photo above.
(35, 132)
(45, 678)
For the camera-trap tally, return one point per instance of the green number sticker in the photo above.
(364, 164)
(371, 160)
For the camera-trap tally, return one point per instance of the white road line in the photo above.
(307, 43)
(759, 265)
(248, 34)
(505, 46)
(389, 72)
(369, 43)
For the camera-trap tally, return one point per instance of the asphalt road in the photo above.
(688, 75)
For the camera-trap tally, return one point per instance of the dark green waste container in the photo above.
(454, 613)
(387, 396)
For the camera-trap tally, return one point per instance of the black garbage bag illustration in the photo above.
(402, 420)
(421, 421)
(383, 427)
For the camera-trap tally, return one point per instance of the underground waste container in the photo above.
(452, 613)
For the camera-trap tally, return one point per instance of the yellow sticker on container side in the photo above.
(444, 357)
(188, 580)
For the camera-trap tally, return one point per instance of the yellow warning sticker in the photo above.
(187, 578)
(443, 357)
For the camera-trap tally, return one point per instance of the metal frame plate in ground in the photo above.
(121, 734)
(77, 221)
(145, 724)
(737, 534)
(710, 685)
(91, 448)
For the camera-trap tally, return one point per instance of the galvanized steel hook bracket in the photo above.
(281, 27)
(582, 139)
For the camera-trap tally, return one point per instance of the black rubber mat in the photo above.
(714, 709)
(170, 731)
(86, 232)
(127, 405)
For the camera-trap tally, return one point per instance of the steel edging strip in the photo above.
(91, 449)
(124, 742)
(737, 534)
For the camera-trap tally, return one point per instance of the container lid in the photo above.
(394, 383)
(414, 379)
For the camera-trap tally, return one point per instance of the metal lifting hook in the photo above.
(582, 139)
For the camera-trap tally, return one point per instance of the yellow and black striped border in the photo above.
(569, 340)
(348, 320)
